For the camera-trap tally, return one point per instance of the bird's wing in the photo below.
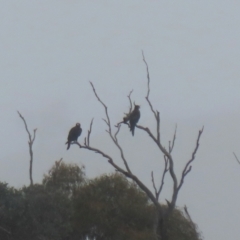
(70, 134)
(134, 117)
(80, 131)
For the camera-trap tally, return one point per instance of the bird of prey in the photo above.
(73, 135)
(133, 118)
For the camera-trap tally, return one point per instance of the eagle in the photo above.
(73, 135)
(132, 118)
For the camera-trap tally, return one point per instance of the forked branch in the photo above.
(130, 102)
(155, 113)
(163, 175)
(167, 154)
(119, 169)
(129, 111)
(171, 144)
(30, 144)
(109, 130)
(188, 168)
(157, 192)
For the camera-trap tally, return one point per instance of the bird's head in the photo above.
(78, 124)
(137, 106)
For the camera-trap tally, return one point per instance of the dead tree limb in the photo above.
(30, 144)
(188, 215)
(128, 173)
(154, 186)
(188, 167)
(130, 102)
(171, 143)
(156, 113)
(167, 154)
(109, 130)
(163, 176)
(129, 111)
(161, 214)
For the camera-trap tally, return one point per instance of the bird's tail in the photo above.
(132, 129)
(68, 143)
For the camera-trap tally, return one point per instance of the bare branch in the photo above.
(121, 151)
(130, 109)
(114, 138)
(105, 107)
(171, 144)
(119, 169)
(148, 92)
(89, 133)
(163, 176)
(188, 216)
(127, 173)
(147, 130)
(30, 143)
(171, 163)
(29, 135)
(116, 133)
(236, 157)
(188, 168)
(154, 186)
(155, 113)
(130, 101)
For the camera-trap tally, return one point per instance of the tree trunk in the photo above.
(160, 225)
(162, 228)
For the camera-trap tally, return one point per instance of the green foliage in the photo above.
(67, 207)
(11, 210)
(180, 228)
(47, 213)
(110, 207)
(65, 178)
(41, 211)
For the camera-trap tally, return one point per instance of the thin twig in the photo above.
(130, 109)
(155, 113)
(89, 133)
(130, 101)
(148, 84)
(171, 144)
(188, 168)
(105, 107)
(116, 133)
(188, 216)
(154, 186)
(163, 176)
(236, 157)
(126, 173)
(30, 143)
(114, 138)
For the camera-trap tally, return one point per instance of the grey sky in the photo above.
(49, 50)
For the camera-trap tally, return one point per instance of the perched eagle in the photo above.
(73, 135)
(133, 118)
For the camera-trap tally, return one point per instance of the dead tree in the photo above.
(30, 144)
(162, 213)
